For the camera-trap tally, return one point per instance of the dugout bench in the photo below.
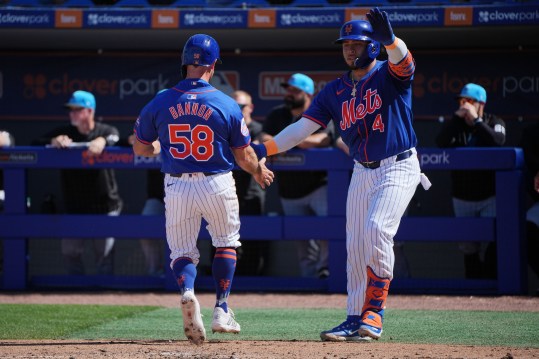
(16, 226)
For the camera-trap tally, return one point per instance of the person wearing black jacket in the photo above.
(86, 191)
(302, 193)
(474, 191)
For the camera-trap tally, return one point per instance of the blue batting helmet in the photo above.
(201, 50)
(360, 30)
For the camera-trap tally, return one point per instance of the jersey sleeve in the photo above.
(144, 129)
(319, 111)
(240, 136)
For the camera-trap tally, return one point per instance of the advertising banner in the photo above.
(124, 82)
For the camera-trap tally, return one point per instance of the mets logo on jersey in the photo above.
(350, 113)
(348, 29)
(244, 129)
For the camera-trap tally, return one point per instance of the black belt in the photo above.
(375, 164)
(181, 174)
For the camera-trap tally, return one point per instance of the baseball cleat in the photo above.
(192, 319)
(347, 331)
(371, 324)
(224, 322)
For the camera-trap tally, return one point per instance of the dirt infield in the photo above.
(76, 349)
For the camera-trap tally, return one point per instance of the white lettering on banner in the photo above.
(524, 84)
(165, 19)
(107, 19)
(192, 19)
(272, 85)
(10, 18)
(457, 16)
(68, 19)
(262, 19)
(516, 16)
(146, 160)
(291, 19)
(434, 159)
(413, 18)
(142, 87)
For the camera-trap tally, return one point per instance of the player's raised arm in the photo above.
(400, 59)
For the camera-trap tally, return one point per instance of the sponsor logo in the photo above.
(165, 19)
(261, 19)
(520, 85)
(141, 160)
(269, 84)
(445, 83)
(508, 16)
(106, 158)
(413, 18)
(224, 283)
(25, 18)
(302, 19)
(18, 157)
(68, 18)
(109, 19)
(356, 14)
(434, 158)
(458, 16)
(196, 19)
(38, 86)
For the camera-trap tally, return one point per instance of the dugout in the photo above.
(126, 66)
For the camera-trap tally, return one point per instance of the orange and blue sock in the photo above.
(223, 268)
(185, 272)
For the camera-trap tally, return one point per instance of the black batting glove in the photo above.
(381, 28)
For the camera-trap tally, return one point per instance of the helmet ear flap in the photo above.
(373, 49)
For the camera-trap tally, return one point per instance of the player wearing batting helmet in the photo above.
(200, 134)
(371, 105)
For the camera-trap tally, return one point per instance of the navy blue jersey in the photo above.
(376, 123)
(197, 125)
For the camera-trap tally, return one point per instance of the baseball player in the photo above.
(371, 107)
(200, 133)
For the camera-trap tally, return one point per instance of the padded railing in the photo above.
(16, 226)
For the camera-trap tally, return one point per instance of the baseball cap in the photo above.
(302, 82)
(474, 92)
(81, 99)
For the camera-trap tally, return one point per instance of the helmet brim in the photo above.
(352, 38)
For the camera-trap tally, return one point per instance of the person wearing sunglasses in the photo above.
(474, 192)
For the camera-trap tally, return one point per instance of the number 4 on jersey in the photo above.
(378, 124)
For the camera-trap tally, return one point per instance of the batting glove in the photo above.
(381, 28)
(260, 150)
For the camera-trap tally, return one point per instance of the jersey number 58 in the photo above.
(200, 146)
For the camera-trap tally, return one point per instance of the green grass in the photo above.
(154, 323)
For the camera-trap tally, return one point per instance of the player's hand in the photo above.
(536, 182)
(381, 28)
(263, 176)
(61, 141)
(97, 146)
(468, 112)
(260, 150)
